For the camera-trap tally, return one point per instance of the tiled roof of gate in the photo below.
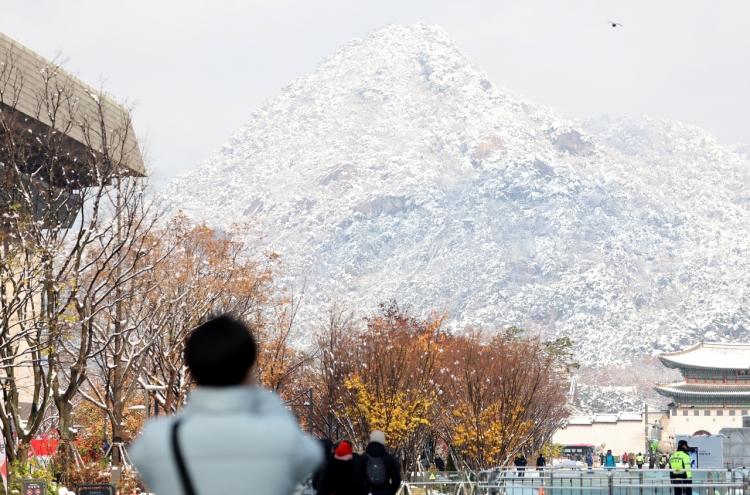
(702, 390)
(710, 356)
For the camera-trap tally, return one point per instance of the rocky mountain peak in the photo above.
(398, 170)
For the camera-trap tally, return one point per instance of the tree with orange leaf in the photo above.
(499, 393)
(206, 273)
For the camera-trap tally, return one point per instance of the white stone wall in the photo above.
(620, 437)
(687, 425)
(630, 435)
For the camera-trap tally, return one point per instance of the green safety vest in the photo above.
(679, 461)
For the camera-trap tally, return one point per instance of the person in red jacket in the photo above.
(339, 475)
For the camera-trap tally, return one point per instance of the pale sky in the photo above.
(198, 69)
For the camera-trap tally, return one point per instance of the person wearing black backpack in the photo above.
(377, 472)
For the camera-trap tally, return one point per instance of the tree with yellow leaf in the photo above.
(391, 388)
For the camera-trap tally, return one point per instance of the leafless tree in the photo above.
(69, 163)
(332, 365)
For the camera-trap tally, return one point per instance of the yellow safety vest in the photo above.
(679, 461)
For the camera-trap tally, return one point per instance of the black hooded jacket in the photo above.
(319, 474)
(338, 479)
(392, 471)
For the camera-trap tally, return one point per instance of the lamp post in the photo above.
(648, 427)
(309, 404)
(148, 389)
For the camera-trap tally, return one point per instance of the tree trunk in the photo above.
(23, 453)
(65, 457)
(118, 403)
(117, 428)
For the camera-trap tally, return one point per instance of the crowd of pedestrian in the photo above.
(437, 463)
(345, 472)
(638, 460)
(232, 434)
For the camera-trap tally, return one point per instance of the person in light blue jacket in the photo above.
(232, 436)
(609, 461)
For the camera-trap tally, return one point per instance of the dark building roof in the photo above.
(25, 76)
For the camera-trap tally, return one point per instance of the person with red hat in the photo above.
(339, 476)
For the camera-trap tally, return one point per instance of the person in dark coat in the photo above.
(376, 448)
(318, 476)
(520, 463)
(541, 462)
(339, 475)
(439, 463)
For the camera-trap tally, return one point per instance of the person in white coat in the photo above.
(232, 436)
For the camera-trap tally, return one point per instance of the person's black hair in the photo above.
(220, 352)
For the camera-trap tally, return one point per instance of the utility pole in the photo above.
(648, 446)
(311, 411)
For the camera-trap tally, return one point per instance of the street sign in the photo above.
(33, 487)
(95, 489)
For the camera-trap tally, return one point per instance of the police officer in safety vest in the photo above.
(680, 473)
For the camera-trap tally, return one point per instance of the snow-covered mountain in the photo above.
(399, 170)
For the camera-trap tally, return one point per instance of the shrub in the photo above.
(99, 472)
(32, 470)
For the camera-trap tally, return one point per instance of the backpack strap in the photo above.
(367, 478)
(187, 483)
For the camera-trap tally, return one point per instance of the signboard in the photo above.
(33, 487)
(736, 447)
(653, 445)
(709, 451)
(95, 489)
(3, 462)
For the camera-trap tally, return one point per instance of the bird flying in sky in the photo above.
(615, 24)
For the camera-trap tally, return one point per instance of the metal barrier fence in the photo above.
(438, 483)
(567, 481)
